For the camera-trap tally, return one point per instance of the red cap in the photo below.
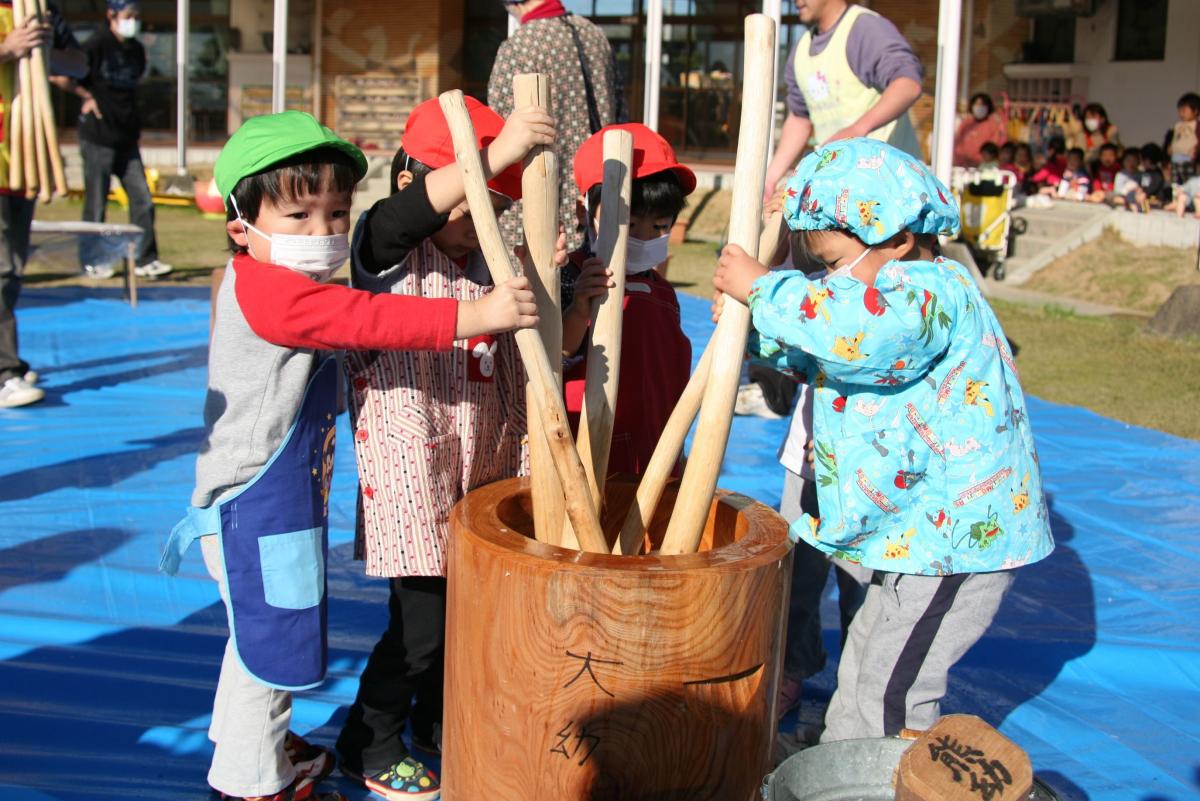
(427, 139)
(651, 154)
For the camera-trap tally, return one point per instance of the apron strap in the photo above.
(195, 524)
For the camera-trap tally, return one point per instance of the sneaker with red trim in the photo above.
(407, 779)
(310, 761)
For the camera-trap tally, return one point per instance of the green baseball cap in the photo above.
(271, 138)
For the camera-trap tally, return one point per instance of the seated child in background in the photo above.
(1075, 183)
(428, 428)
(1127, 188)
(1183, 140)
(926, 468)
(1152, 178)
(1188, 193)
(989, 156)
(1104, 173)
(260, 505)
(1008, 152)
(656, 356)
(1050, 171)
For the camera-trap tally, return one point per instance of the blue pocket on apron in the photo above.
(293, 570)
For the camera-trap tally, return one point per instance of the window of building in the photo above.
(1141, 30)
(1052, 42)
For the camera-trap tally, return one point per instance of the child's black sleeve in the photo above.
(396, 225)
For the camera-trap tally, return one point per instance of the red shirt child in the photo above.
(656, 355)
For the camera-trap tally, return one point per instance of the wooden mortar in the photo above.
(581, 676)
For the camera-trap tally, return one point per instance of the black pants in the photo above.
(16, 215)
(403, 679)
(100, 164)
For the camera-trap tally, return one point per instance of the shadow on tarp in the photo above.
(1050, 603)
(179, 359)
(49, 559)
(101, 469)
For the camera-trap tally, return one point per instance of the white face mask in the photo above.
(980, 111)
(318, 257)
(1092, 124)
(845, 269)
(645, 254)
(129, 27)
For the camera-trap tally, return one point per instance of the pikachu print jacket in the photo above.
(925, 462)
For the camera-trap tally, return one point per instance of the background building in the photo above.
(361, 65)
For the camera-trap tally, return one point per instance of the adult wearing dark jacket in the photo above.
(110, 126)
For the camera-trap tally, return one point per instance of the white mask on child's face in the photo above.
(845, 269)
(642, 255)
(318, 257)
(1092, 124)
(979, 111)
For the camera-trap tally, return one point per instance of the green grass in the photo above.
(193, 244)
(1108, 365)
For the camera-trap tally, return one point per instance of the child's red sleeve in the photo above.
(293, 311)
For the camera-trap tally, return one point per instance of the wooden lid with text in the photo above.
(961, 758)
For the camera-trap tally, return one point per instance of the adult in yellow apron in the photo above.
(836, 97)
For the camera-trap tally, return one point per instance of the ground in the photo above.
(1108, 365)
(1109, 271)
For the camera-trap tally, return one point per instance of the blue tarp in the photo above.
(107, 668)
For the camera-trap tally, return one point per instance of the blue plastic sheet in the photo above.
(107, 668)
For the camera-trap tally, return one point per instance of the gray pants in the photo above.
(804, 651)
(910, 631)
(100, 164)
(16, 215)
(249, 721)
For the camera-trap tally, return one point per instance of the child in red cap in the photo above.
(427, 428)
(656, 356)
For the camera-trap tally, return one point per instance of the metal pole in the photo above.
(774, 10)
(653, 84)
(182, 28)
(949, 29)
(279, 58)
(968, 43)
(318, 60)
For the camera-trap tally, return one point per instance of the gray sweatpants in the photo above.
(249, 721)
(908, 634)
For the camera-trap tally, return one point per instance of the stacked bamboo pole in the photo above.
(35, 164)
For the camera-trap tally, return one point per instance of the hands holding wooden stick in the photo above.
(35, 162)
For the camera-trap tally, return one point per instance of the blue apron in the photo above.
(274, 537)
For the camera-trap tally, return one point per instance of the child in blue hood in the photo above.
(925, 463)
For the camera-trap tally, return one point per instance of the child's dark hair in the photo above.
(1076, 151)
(1109, 146)
(1191, 100)
(401, 162)
(657, 195)
(302, 174)
(1152, 153)
(1056, 144)
(989, 150)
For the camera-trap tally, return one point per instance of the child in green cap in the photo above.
(260, 506)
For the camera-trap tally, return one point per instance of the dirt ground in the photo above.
(1114, 272)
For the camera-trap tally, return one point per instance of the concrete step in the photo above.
(1060, 219)
(1031, 245)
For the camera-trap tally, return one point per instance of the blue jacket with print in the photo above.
(925, 460)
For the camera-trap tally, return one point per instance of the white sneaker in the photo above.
(750, 401)
(19, 392)
(31, 376)
(98, 272)
(153, 269)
